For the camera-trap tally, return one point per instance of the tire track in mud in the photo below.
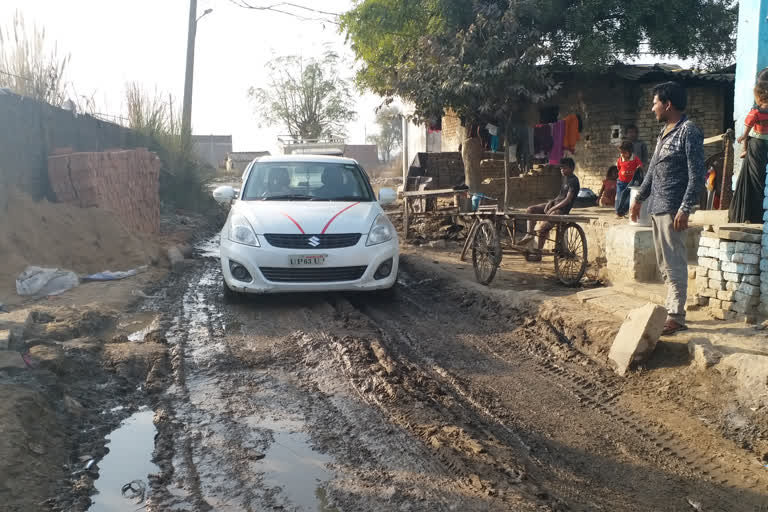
(416, 402)
(599, 394)
(410, 429)
(210, 404)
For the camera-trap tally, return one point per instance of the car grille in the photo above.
(312, 275)
(313, 241)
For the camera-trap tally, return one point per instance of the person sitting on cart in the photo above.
(561, 205)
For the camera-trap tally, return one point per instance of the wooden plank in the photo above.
(709, 217)
(714, 139)
(406, 220)
(739, 236)
(425, 193)
(550, 218)
(756, 229)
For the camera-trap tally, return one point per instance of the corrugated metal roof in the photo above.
(640, 72)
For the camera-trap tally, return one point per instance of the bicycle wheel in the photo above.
(571, 254)
(486, 252)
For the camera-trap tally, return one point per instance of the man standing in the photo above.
(674, 175)
(561, 205)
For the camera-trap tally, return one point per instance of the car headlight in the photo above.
(381, 231)
(241, 231)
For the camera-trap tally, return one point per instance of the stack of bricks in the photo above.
(728, 275)
(123, 181)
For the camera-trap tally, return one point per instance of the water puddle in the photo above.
(138, 325)
(291, 464)
(209, 248)
(129, 461)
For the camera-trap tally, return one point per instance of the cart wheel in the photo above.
(486, 252)
(571, 254)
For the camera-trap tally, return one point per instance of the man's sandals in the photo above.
(671, 327)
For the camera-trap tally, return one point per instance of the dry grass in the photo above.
(28, 67)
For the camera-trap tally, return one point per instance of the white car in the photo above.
(307, 223)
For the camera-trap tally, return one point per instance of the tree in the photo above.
(309, 98)
(391, 131)
(28, 67)
(486, 59)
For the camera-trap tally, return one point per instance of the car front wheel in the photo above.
(230, 296)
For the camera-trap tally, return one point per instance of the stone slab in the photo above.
(5, 339)
(740, 268)
(719, 314)
(703, 354)
(11, 359)
(637, 336)
(726, 296)
(748, 248)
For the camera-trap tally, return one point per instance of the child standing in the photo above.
(628, 163)
(607, 194)
(756, 123)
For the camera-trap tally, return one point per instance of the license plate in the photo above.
(308, 261)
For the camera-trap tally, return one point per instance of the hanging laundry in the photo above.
(572, 135)
(494, 143)
(558, 134)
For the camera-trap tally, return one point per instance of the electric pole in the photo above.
(186, 112)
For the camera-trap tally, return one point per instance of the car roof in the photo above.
(320, 159)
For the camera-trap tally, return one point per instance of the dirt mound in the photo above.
(84, 240)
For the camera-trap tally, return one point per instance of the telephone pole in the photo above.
(186, 112)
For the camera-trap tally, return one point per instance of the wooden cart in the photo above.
(494, 232)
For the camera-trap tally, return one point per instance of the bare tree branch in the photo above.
(281, 7)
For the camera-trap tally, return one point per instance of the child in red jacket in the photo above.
(756, 123)
(628, 164)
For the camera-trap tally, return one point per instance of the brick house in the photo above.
(611, 101)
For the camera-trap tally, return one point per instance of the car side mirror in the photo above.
(224, 194)
(387, 196)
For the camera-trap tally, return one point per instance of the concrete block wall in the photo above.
(125, 182)
(728, 276)
(764, 257)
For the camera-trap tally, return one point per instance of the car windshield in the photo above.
(307, 181)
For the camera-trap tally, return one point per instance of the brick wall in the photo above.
(453, 132)
(620, 102)
(125, 182)
(446, 169)
(600, 104)
(538, 186)
(706, 108)
(31, 130)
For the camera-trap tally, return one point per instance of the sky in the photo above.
(112, 42)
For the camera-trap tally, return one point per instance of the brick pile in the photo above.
(123, 181)
(728, 275)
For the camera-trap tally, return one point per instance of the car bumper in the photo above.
(255, 258)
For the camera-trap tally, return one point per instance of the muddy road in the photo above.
(437, 398)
